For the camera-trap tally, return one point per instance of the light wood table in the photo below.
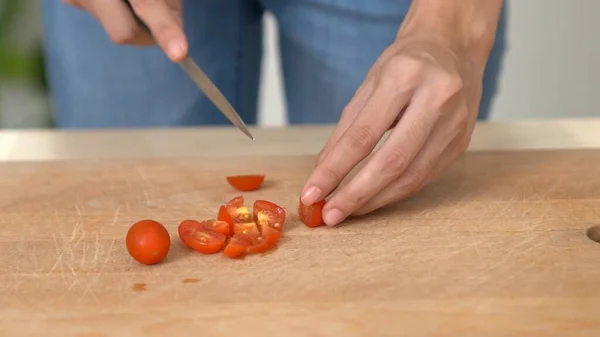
(496, 247)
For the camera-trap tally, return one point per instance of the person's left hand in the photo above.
(429, 93)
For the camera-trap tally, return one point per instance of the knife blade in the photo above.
(199, 77)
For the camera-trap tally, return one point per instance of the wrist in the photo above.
(468, 27)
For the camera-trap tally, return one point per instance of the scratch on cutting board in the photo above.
(108, 255)
(144, 183)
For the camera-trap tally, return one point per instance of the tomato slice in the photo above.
(311, 216)
(198, 237)
(256, 232)
(218, 226)
(248, 228)
(246, 182)
(269, 214)
(237, 246)
(238, 212)
(224, 215)
(270, 235)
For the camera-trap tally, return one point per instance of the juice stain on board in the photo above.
(139, 287)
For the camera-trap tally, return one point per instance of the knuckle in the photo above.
(463, 143)
(329, 175)
(321, 157)
(361, 138)
(122, 38)
(395, 161)
(401, 73)
(449, 84)
(413, 181)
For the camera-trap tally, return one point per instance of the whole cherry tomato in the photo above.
(148, 242)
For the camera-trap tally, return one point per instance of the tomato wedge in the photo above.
(270, 234)
(200, 238)
(266, 213)
(238, 212)
(248, 228)
(218, 226)
(237, 246)
(246, 182)
(224, 216)
(311, 216)
(254, 232)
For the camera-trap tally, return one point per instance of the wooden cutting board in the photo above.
(496, 247)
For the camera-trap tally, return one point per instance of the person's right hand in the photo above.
(163, 18)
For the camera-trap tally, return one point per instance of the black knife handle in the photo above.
(137, 18)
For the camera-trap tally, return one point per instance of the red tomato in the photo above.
(224, 215)
(238, 211)
(148, 241)
(237, 246)
(198, 237)
(218, 226)
(271, 235)
(249, 228)
(311, 216)
(246, 182)
(269, 214)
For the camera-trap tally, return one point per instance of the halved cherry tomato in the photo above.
(253, 237)
(238, 212)
(237, 246)
(148, 242)
(311, 216)
(269, 214)
(198, 237)
(218, 226)
(246, 182)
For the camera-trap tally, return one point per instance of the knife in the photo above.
(204, 83)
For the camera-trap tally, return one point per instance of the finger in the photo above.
(119, 23)
(166, 27)
(74, 3)
(427, 166)
(350, 112)
(359, 139)
(392, 159)
(357, 103)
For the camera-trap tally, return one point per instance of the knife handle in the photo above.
(137, 18)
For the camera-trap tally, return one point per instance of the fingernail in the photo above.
(175, 49)
(333, 217)
(311, 195)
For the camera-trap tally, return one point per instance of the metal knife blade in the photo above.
(200, 78)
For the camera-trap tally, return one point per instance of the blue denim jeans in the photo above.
(326, 46)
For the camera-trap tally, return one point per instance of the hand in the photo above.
(429, 94)
(163, 18)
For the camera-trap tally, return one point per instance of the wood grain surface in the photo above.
(496, 247)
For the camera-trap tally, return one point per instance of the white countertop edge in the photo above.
(32, 145)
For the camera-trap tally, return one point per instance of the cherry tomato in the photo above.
(269, 214)
(237, 246)
(311, 216)
(198, 237)
(246, 182)
(148, 241)
(248, 228)
(218, 226)
(224, 216)
(271, 235)
(238, 212)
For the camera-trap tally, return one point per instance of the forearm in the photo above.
(468, 25)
